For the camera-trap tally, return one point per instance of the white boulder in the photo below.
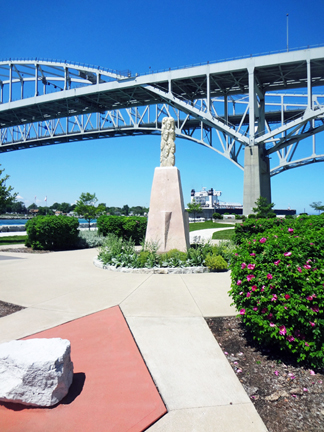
(35, 372)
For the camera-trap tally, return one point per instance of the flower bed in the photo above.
(278, 284)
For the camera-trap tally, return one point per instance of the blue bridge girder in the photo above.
(267, 101)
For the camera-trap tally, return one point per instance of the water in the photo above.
(23, 221)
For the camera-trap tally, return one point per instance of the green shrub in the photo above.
(215, 263)
(278, 286)
(89, 239)
(243, 217)
(121, 226)
(52, 232)
(238, 216)
(217, 216)
(289, 217)
(251, 216)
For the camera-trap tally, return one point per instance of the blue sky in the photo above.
(138, 36)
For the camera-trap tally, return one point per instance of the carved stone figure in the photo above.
(167, 142)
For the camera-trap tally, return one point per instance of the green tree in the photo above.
(55, 206)
(194, 208)
(6, 195)
(317, 205)
(125, 210)
(45, 211)
(85, 206)
(18, 207)
(32, 207)
(64, 207)
(263, 209)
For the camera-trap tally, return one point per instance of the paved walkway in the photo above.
(165, 314)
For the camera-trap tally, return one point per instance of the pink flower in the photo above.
(269, 276)
(276, 262)
(239, 371)
(275, 236)
(274, 298)
(255, 308)
(311, 244)
(290, 230)
(307, 266)
(287, 253)
(310, 298)
(299, 269)
(254, 240)
(254, 287)
(262, 289)
(290, 338)
(276, 373)
(306, 344)
(272, 325)
(264, 310)
(312, 324)
(315, 309)
(238, 282)
(287, 296)
(250, 277)
(305, 389)
(242, 311)
(282, 330)
(236, 254)
(263, 240)
(225, 352)
(270, 315)
(312, 372)
(243, 265)
(251, 266)
(241, 293)
(248, 294)
(252, 254)
(285, 307)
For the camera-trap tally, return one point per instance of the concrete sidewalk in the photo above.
(165, 314)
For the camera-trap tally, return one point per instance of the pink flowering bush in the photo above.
(283, 299)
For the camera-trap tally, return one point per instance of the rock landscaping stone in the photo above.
(36, 372)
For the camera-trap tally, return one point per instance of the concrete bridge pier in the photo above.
(256, 177)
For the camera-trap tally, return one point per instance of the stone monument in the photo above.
(168, 222)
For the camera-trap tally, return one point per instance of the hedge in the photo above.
(126, 227)
(52, 232)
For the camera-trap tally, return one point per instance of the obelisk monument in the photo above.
(168, 222)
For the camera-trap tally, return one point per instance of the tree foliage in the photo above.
(86, 206)
(317, 205)
(194, 208)
(6, 195)
(263, 209)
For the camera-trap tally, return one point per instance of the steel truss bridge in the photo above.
(247, 110)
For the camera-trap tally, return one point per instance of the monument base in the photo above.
(168, 222)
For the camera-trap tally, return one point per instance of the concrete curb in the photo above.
(156, 270)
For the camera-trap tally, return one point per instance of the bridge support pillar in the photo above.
(256, 177)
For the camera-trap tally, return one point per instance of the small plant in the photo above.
(90, 239)
(251, 216)
(216, 263)
(217, 216)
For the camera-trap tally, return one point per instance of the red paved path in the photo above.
(118, 393)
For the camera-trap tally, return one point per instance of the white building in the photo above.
(207, 199)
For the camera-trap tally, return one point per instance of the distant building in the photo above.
(207, 199)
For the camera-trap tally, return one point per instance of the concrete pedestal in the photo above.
(168, 222)
(256, 178)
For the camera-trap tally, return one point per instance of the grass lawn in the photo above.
(223, 235)
(206, 225)
(9, 240)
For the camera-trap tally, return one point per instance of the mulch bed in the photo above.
(24, 250)
(287, 396)
(8, 308)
